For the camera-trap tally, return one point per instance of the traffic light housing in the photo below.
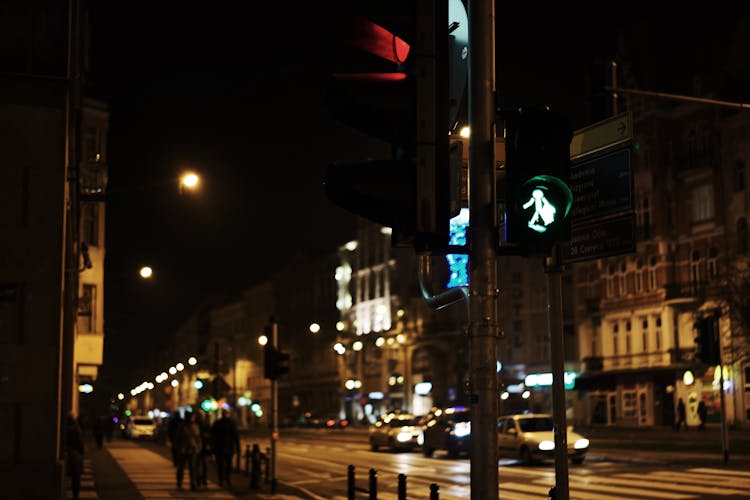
(275, 362)
(412, 105)
(707, 340)
(537, 192)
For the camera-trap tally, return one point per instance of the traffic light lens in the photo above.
(548, 201)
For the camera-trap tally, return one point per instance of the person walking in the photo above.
(225, 443)
(680, 415)
(73, 454)
(188, 444)
(205, 451)
(702, 412)
(174, 424)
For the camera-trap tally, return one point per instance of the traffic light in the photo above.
(275, 362)
(537, 192)
(412, 105)
(707, 340)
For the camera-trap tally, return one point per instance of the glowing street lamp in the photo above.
(146, 272)
(192, 361)
(189, 181)
(262, 340)
(314, 328)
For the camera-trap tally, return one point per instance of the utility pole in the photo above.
(274, 407)
(484, 293)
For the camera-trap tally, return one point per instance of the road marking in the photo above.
(722, 472)
(658, 482)
(604, 484)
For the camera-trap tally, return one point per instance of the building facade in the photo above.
(636, 313)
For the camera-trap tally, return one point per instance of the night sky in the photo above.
(238, 95)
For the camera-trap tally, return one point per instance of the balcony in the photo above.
(692, 292)
(92, 181)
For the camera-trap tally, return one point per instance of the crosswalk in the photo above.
(154, 476)
(691, 483)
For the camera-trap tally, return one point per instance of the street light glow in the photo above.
(189, 180)
(357, 346)
(146, 272)
(263, 340)
(180, 367)
(192, 361)
(314, 328)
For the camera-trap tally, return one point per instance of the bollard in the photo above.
(350, 482)
(402, 487)
(434, 492)
(373, 484)
(255, 458)
(247, 460)
(267, 463)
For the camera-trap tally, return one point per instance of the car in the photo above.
(397, 431)
(142, 428)
(529, 437)
(447, 429)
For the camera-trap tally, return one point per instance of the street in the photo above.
(314, 464)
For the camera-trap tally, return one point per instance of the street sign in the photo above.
(601, 135)
(601, 186)
(601, 179)
(601, 238)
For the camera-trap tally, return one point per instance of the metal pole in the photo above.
(483, 299)
(724, 430)
(615, 95)
(274, 410)
(554, 288)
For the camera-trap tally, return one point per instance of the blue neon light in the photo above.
(458, 263)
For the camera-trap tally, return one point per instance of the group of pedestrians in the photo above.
(194, 441)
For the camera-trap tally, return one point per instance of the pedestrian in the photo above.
(225, 442)
(205, 451)
(174, 423)
(680, 415)
(187, 444)
(702, 415)
(99, 432)
(74, 454)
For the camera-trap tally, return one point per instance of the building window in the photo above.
(713, 263)
(695, 269)
(638, 276)
(643, 218)
(90, 224)
(703, 203)
(657, 337)
(742, 236)
(739, 176)
(610, 278)
(652, 273)
(621, 280)
(86, 309)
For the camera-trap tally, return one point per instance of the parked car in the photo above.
(142, 428)
(397, 431)
(447, 429)
(529, 437)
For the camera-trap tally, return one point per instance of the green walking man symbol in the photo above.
(543, 210)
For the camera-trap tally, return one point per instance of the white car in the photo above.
(142, 428)
(531, 436)
(397, 431)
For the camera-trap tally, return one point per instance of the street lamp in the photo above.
(190, 181)
(146, 272)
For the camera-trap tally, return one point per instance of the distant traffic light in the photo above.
(275, 362)
(413, 106)
(707, 340)
(537, 193)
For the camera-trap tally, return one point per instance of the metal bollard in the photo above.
(268, 465)
(402, 487)
(373, 484)
(247, 460)
(350, 482)
(434, 492)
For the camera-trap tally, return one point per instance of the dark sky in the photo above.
(237, 94)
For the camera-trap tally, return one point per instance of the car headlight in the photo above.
(462, 429)
(420, 439)
(403, 437)
(581, 444)
(547, 445)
